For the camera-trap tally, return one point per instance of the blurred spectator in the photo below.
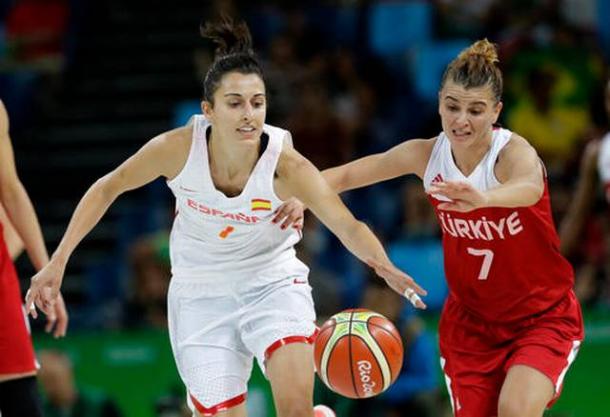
(552, 126)
(552, 72)
(418, 250)
(457, 18)
(584, 229)
(63, 397)
(35, 32)
(318, 134)
(147, 305)
(283, 73)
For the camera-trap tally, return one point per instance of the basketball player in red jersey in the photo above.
(511, 325)
(18, 391)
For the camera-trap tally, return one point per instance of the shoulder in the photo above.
(277, 132)
(414, 148)
(175, 141)
(517, 147)
(171, 149)
(290, 161)
(415, 153)
(518, 157)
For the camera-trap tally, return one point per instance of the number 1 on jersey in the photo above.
(488, 257)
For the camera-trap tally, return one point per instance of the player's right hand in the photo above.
(400, 282)
(58, 322)
(290, 214)
(44, 290)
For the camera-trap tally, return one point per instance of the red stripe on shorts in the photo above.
(288, 340)
(223, 406)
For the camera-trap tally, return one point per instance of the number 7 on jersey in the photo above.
(488, 257)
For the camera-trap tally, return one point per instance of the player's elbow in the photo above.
(108, 187)
(11, 190)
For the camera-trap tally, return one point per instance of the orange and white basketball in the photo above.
(358, 353)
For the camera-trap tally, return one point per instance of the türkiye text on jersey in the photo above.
(481, 228)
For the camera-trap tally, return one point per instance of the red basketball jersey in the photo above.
(502, 264)
(16, 351)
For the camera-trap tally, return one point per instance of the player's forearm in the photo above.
(336, 178)
(360, 241)
(574, 221)
(362, 172)
(88, 213)
(522, 194)
(21, 213)
(14, 244)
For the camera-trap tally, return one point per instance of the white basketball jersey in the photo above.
(215, 235)
(441, 165)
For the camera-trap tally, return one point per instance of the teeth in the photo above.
(247, 129)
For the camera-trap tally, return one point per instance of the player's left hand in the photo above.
(464, 197)
(290, 214)
(400, 282)
(57, 321)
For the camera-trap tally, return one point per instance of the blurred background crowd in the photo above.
(87, 82)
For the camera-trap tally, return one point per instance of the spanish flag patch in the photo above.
(260, 204)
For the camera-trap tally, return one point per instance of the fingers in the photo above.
(62, 318)
(30, 307)
(289, 214)
(450, 189)
(454, 206)
(413, 298)
(391, 272)
(51, 319)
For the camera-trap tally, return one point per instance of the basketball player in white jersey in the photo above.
(237, 290)
(511, 325)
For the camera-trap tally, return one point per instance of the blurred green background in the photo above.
(137, 370)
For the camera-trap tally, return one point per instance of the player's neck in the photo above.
(229, 159)
(468, 157)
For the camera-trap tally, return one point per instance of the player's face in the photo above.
(467, 115)
(239, 109)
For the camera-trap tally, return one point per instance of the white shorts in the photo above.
(216, 329)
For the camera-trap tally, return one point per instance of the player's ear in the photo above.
(497, 109)
(207, 109)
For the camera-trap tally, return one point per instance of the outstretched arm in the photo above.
(580, 206)
(297, 177)
(159, 157)
(16, 201)
(410, 157)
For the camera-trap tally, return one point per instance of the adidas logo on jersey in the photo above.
(481, 229)
(438, 178)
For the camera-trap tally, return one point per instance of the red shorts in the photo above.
(16, 351)
(476, 355)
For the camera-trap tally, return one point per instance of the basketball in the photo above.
(358, 353)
